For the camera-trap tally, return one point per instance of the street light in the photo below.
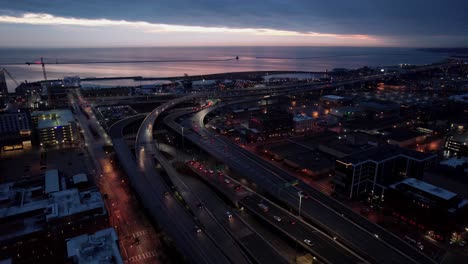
(300, 202)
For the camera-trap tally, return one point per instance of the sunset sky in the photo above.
(109, 23)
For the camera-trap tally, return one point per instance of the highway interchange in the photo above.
(326, 228)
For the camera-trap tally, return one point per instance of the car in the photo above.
(292, 222)
(263, 207)
(198, 229)
(376, 236)
(166, 193)
(238, 187)
(227, 181)
(229, 214)
(462, 243)
(308, 242)
(277, 218)
(200, 206)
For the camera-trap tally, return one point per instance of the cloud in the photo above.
(48, 19)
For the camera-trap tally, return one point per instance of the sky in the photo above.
(115, 23)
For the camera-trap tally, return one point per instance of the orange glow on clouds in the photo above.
(146, 27)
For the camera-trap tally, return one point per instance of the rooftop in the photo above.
(384, 152)
(98, 248)
(53, 118)
(332, 97)
(298, 118)
(428, 188)
(72, 201)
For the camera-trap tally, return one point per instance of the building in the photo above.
(55, 127)
(304, 123)
(32, 218)
(457, 144)
(378, 109)
(15, 128)
(348, 113)
(330, 100)
(428, 207)
(371, 171)
(403, 137)
(272, 123)
(100, 247)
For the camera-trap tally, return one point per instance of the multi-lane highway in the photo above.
(172, 217)
(371, 241)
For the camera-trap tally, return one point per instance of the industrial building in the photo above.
(55, 127)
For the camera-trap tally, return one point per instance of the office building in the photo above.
(428, 207)
(15, 128)
(372, 170)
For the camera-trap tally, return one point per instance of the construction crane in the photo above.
(43, 66)
(3, 70)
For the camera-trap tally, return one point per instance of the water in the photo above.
(250, 59)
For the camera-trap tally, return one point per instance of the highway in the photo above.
(196, 247)
(380, 248)
(325, 248)
(363, 241)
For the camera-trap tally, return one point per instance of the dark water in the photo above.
(251, 59)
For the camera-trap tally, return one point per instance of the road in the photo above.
(196, 247)
(124, 212)
(360, 236)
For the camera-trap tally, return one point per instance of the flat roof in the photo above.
(298, 118)
(97, 248)
(333, 97)
(81, 177)
(53, 118)
(383, 152)
(72, 201)
(428, 188)
(52, 183)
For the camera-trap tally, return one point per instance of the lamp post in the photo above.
(183, 139)
(300, 202)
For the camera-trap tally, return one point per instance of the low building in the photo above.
(55, 127)
(100, 247)
(348, 113)
(272, 123)
(371, 171)
(403, 137)
(304, 123)
(33, 218)
(427, 207)
(378, 109)
(330, 100)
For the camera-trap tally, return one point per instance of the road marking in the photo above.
(143, 256)
(140, 233)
